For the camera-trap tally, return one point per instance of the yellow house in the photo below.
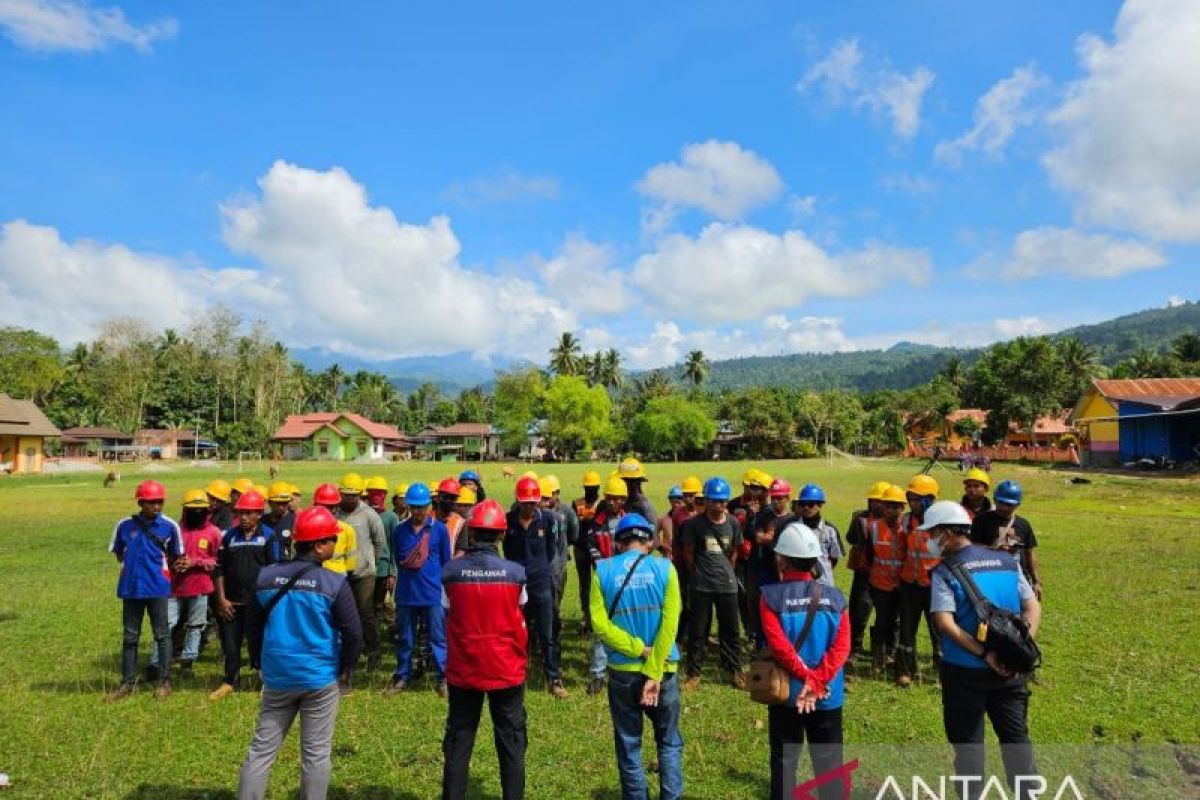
(23, 433)
(1096, 419)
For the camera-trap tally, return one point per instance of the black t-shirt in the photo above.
(988, 526)
(714, 546)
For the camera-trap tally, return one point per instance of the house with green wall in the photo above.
(335, 436)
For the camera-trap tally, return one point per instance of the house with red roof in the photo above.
(1125, 420)
(335, 436)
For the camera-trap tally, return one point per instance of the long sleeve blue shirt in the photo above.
(420, 587)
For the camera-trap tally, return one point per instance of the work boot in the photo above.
(120, 693)
(397, 686)
(558, 690)
(737, 679)
(441, 689)
(185, 670)
(221, 692)
(595, 685)
(163, 691)
(692, 683)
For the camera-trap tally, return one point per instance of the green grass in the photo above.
(1120, 561)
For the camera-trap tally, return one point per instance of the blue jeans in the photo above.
(598, 665)
(624, 703)
(194, 611)
(406, 630)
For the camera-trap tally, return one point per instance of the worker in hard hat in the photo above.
(370, 543)
(191, 580)
(813, 711)
(220, 504)
(711, 548)
(761, 567)
(692, 489)
(601, 544)
(470, 478)
(858, 536)
(1004, 529)
(420, 549)
(376, 497)
(445, 498)
(245, 550)
(146, 545)
(297, 495)
(811, 501)
(343, 560)
(464, 502)
(304, 637)
(744, 508)
(398, 504)
(922, 554)
(888, 548)
(238, 488)
(530, 541)
(585, 508)
(975, 683)
(279, 517)
(564, 536)
(664, 529)
(976, 486)
(634, 474)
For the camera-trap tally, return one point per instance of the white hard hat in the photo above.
(944, 512)
(798, 541)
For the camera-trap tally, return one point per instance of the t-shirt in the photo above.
(714, 544)
(987, 527)
(943, 598)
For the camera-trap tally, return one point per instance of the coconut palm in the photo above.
(566, 357)
(697, 367)
(1186, 347)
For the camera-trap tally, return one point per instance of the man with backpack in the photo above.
(1003, 529)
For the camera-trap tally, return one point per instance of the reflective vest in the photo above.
(887, 556)
(585, 511)
(454, 526)
(918, 561)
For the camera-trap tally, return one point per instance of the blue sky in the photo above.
(744, 178)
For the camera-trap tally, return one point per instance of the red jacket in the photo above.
(486, 640)
(200, 546)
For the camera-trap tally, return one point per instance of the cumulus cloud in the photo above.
(720, 178)
(998, 114)
(777, 334)
(75, 25)
(583, 277)
(848, 79)
(1175, 301)
(366, 283)
(1127, 129)
(505, 186)
(1071, 253)
(730, 273)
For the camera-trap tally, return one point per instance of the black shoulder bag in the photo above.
(1000, 631)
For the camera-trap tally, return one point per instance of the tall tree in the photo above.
(577, 416)
(516, 405)
(1186, 347)
(1018, 382)
(30, 364)
(696, 367)
(566, 357)
(1081, 363)
(672, 425)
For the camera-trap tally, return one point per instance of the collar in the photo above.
(796, 575)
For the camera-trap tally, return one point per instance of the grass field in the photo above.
(1120, 560)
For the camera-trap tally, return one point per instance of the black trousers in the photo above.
(788, 730)
(969, 695)
(364, 599)
(685, 610)
(887, 615)
(583, 569)
(914, 604)
(860, 609)
(539, 619)
(507, 707)
(727, 630)
(233, 633)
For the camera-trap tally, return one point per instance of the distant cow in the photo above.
(112, 477)
(509, 472)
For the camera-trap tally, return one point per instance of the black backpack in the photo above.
(1000, 631)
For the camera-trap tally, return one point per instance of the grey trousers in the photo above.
(318, 712)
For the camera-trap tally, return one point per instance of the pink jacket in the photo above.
(200, 546)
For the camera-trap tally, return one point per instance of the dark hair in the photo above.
(484, 535)
(303, 548)
(800, 564)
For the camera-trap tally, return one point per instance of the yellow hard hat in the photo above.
(400, 489)
(377, 483)
(352, 483)
(894, 494)
(295, 490)
(631, 469)
(923, 485)
(591, 478)
(756, 477)
(692, 485)
(243, 485)
(258, 487)
(764, 479)
(279, 492)
(195, 498)
(433, 487)
(616, 487)
(467, 497)
(554, 483)
(976, 474)
(877, 489)
(219, 489)
(546, 488)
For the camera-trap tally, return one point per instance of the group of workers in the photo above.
(474, 585)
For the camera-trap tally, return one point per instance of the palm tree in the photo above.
(566, 357)
(592, 368)
(1186, 347)
(611, 376)
(955, 372)
(697, 367)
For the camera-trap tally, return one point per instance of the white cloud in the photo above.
(1063, 251)
(582, 277)
(998, 114)
(848, 79)
(505, 186)
(904, 183)
(730, 273)
(365, 283)
(76, 25)
(1021, 326)
(1175, 301)
(777, 334)
(1127, 129)
(720, 178)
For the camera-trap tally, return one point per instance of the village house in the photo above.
(335, 436)
(23, 433)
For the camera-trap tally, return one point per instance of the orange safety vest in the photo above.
(887, 556)
(584, 511)
(454, 524)
(918, 562)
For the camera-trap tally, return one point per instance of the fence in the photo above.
(1047, 454)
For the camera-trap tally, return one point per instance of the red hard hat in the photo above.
(488, 515)
(150, 490)
(314, 524)
(780, 488)
(327, 494)
(528, 491)
(250, 501)
(449, 486)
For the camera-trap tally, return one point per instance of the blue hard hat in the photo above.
(1008, 492)
(811, 493)
(675, 492)
(632, 525)
(418, 495)
(717, 489)
(470, 475)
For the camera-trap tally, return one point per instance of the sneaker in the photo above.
(185, 670)
(441, 689)
(737, 680)
(221, 692)
(397, 686)
(904, 681)
(692, 683)
(120, 693)
(152, 673)
(595, 686)
(163, 691)
(558, 690)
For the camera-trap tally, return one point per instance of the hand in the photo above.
(182, 563)
(650, 692)
(391, 583)
(990, 659)
(225, 610)
(807, 701)
(1037, 590)
(646, 651)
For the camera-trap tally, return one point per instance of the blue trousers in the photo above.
(624, 703)
(406, 630)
